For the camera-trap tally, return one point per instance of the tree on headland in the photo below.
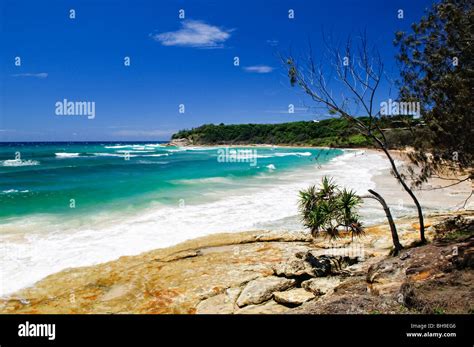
(437, 68)
(358, 70)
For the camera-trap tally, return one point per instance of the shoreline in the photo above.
(158, 226)
(267, 145)
(379, 177)
(207, 275)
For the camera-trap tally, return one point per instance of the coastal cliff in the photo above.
(181, 142)
(271, 272)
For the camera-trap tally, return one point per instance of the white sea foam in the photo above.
(135, 151)
(14, 191)
(202, 148)
(117, 146)
(122, 155)
(154, 145)
(136, 146)
(49, 245)
(103, 154)
(19, 162)
(66, 155)
(184, 149)
(10, 191)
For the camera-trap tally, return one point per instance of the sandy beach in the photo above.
(358, 169)
(432, 200)
(244, 273)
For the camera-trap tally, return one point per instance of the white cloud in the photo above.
(259, 69)
(37, 75)
(194, 33)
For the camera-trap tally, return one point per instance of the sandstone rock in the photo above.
(322, 285)
(233, 294)
(177, 279)
(215, 304)
(220, 304)
(285, 236)
(179, 142)
(293, 297)
(293, 268)
(325, 265)
(391, 268)
(404, 255)
(313, 265)
(181, 255)
(382, 243)
(262, 289)
(270, 307)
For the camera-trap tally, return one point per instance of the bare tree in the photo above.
(358, 71)
(393, 229)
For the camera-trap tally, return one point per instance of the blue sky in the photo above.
(173, 61)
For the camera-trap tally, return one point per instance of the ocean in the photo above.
(75, 180)
(75, 204)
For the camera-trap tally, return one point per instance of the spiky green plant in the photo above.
(328, 188)
(329, 208)
(348, 201)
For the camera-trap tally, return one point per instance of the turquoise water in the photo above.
(82, 178)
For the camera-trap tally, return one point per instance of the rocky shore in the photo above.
(271, 272)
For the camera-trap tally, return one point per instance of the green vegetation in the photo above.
(454, 228)
(334, 132)
(328, 208)
(437, 70)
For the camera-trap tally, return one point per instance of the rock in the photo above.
(385, 277)
(293, 268)
(181, 255)
(309, 265)
(321, 286)
(325, 265)
(382, 243)
(270, 307)
(209, 273)
(179, 142)
(220, 304)
(215, 304)
(405, 255)
(285, 236)
(293, 297)
(262, 289)
(233, 294)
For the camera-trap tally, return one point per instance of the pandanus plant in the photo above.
(328, 208)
